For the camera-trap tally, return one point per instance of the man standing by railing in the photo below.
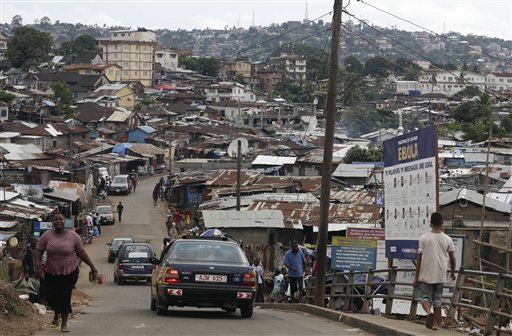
(435, 249)
(294, 261)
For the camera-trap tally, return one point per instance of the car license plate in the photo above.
(211, 278)
(118, 190)
(138, 266)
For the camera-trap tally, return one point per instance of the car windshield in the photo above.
(138, 253)
(119, 179)
(104, 210)
(208, 251)
(119, 242)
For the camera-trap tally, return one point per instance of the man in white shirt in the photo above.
(435, 249)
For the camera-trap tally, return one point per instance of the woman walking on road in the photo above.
(156, 192)
(61, 268)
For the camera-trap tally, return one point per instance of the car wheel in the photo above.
(153, 304)
(115, 278)
(161, 310)
(246, 311)
(119, 281)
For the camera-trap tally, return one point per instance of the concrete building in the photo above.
(167, 58)
(133, 50)
(293, 67)
(229, 69)
(449, 83)
(499, 81)
(4, 38)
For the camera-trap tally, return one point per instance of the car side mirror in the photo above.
(154, 261)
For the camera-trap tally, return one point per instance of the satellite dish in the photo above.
(12, 242)
(233, 147)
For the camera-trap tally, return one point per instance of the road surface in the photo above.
(124, 310)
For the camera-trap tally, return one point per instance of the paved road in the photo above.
(124, 310)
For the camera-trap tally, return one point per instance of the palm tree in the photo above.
(353, 90)
(461, 80)
(482, 106)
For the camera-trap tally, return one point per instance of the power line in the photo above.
(464, 80)
(252, 46)
(391, 57)
(435, 33)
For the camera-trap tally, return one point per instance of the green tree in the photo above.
(17, 21)
(6, 96)
(358, 154)
(207, 66)
(239, 78)
(377, 66)
(353, 86)
(468, 91)
(63, 98)
(482, 106)
(28, 47)
(506, 123)
(352, 64)
(81, 44)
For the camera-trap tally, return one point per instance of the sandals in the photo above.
(64, 329)
(54, 324)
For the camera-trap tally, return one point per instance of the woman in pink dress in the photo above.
(62, 246)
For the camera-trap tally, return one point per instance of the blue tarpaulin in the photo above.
(120, 148)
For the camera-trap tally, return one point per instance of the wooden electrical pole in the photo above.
(325, 193)
(238, 173)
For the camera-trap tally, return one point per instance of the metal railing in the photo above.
(470, 285)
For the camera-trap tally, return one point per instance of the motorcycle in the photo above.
(102, 195)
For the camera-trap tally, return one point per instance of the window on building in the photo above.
(145, 73)
(136, 73)
(122, 34)
(501, 80)
(110, 72)
(115, 34)
(125, 72)
(4, 113)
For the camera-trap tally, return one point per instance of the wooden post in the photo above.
(495, 305)
(457, 295)
(348, 291)
(367, 290)
(325, 189)
(391, 291)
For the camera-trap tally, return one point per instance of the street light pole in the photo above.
(327, 164)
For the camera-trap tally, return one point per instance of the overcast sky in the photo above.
(484, 17)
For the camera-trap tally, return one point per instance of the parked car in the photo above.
(203, 272)
(106, 214)
(121, 184)
(113, 247)
(134, 261)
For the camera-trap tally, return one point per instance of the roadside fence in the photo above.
(482, 299)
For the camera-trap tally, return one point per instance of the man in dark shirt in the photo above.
(120, 209)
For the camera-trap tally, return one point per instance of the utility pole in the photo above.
(328, 148)
(238, 173)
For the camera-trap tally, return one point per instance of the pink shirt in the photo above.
(60, 250)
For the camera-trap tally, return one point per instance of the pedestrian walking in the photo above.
(120, 209)
(61, 268)
(258, 267)
(156, 190)
(435, 250)
(98, 223)
(276, 294)
(294, 261)
(134, 182)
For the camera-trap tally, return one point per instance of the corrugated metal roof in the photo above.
(472, 196)
(119, 116)
(8, 135)
(147, 129)
(63, 195)
(359, 197)
(7, 225)
(17, 152)
(268, 160)
(341, 227)
(353, 170)
(148, 150)
(247, 219)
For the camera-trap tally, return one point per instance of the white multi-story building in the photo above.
(449, 82)
(133, 51)
(229, 91)
(499, 81)
(167, 58)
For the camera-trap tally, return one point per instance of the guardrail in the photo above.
(494, 288)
